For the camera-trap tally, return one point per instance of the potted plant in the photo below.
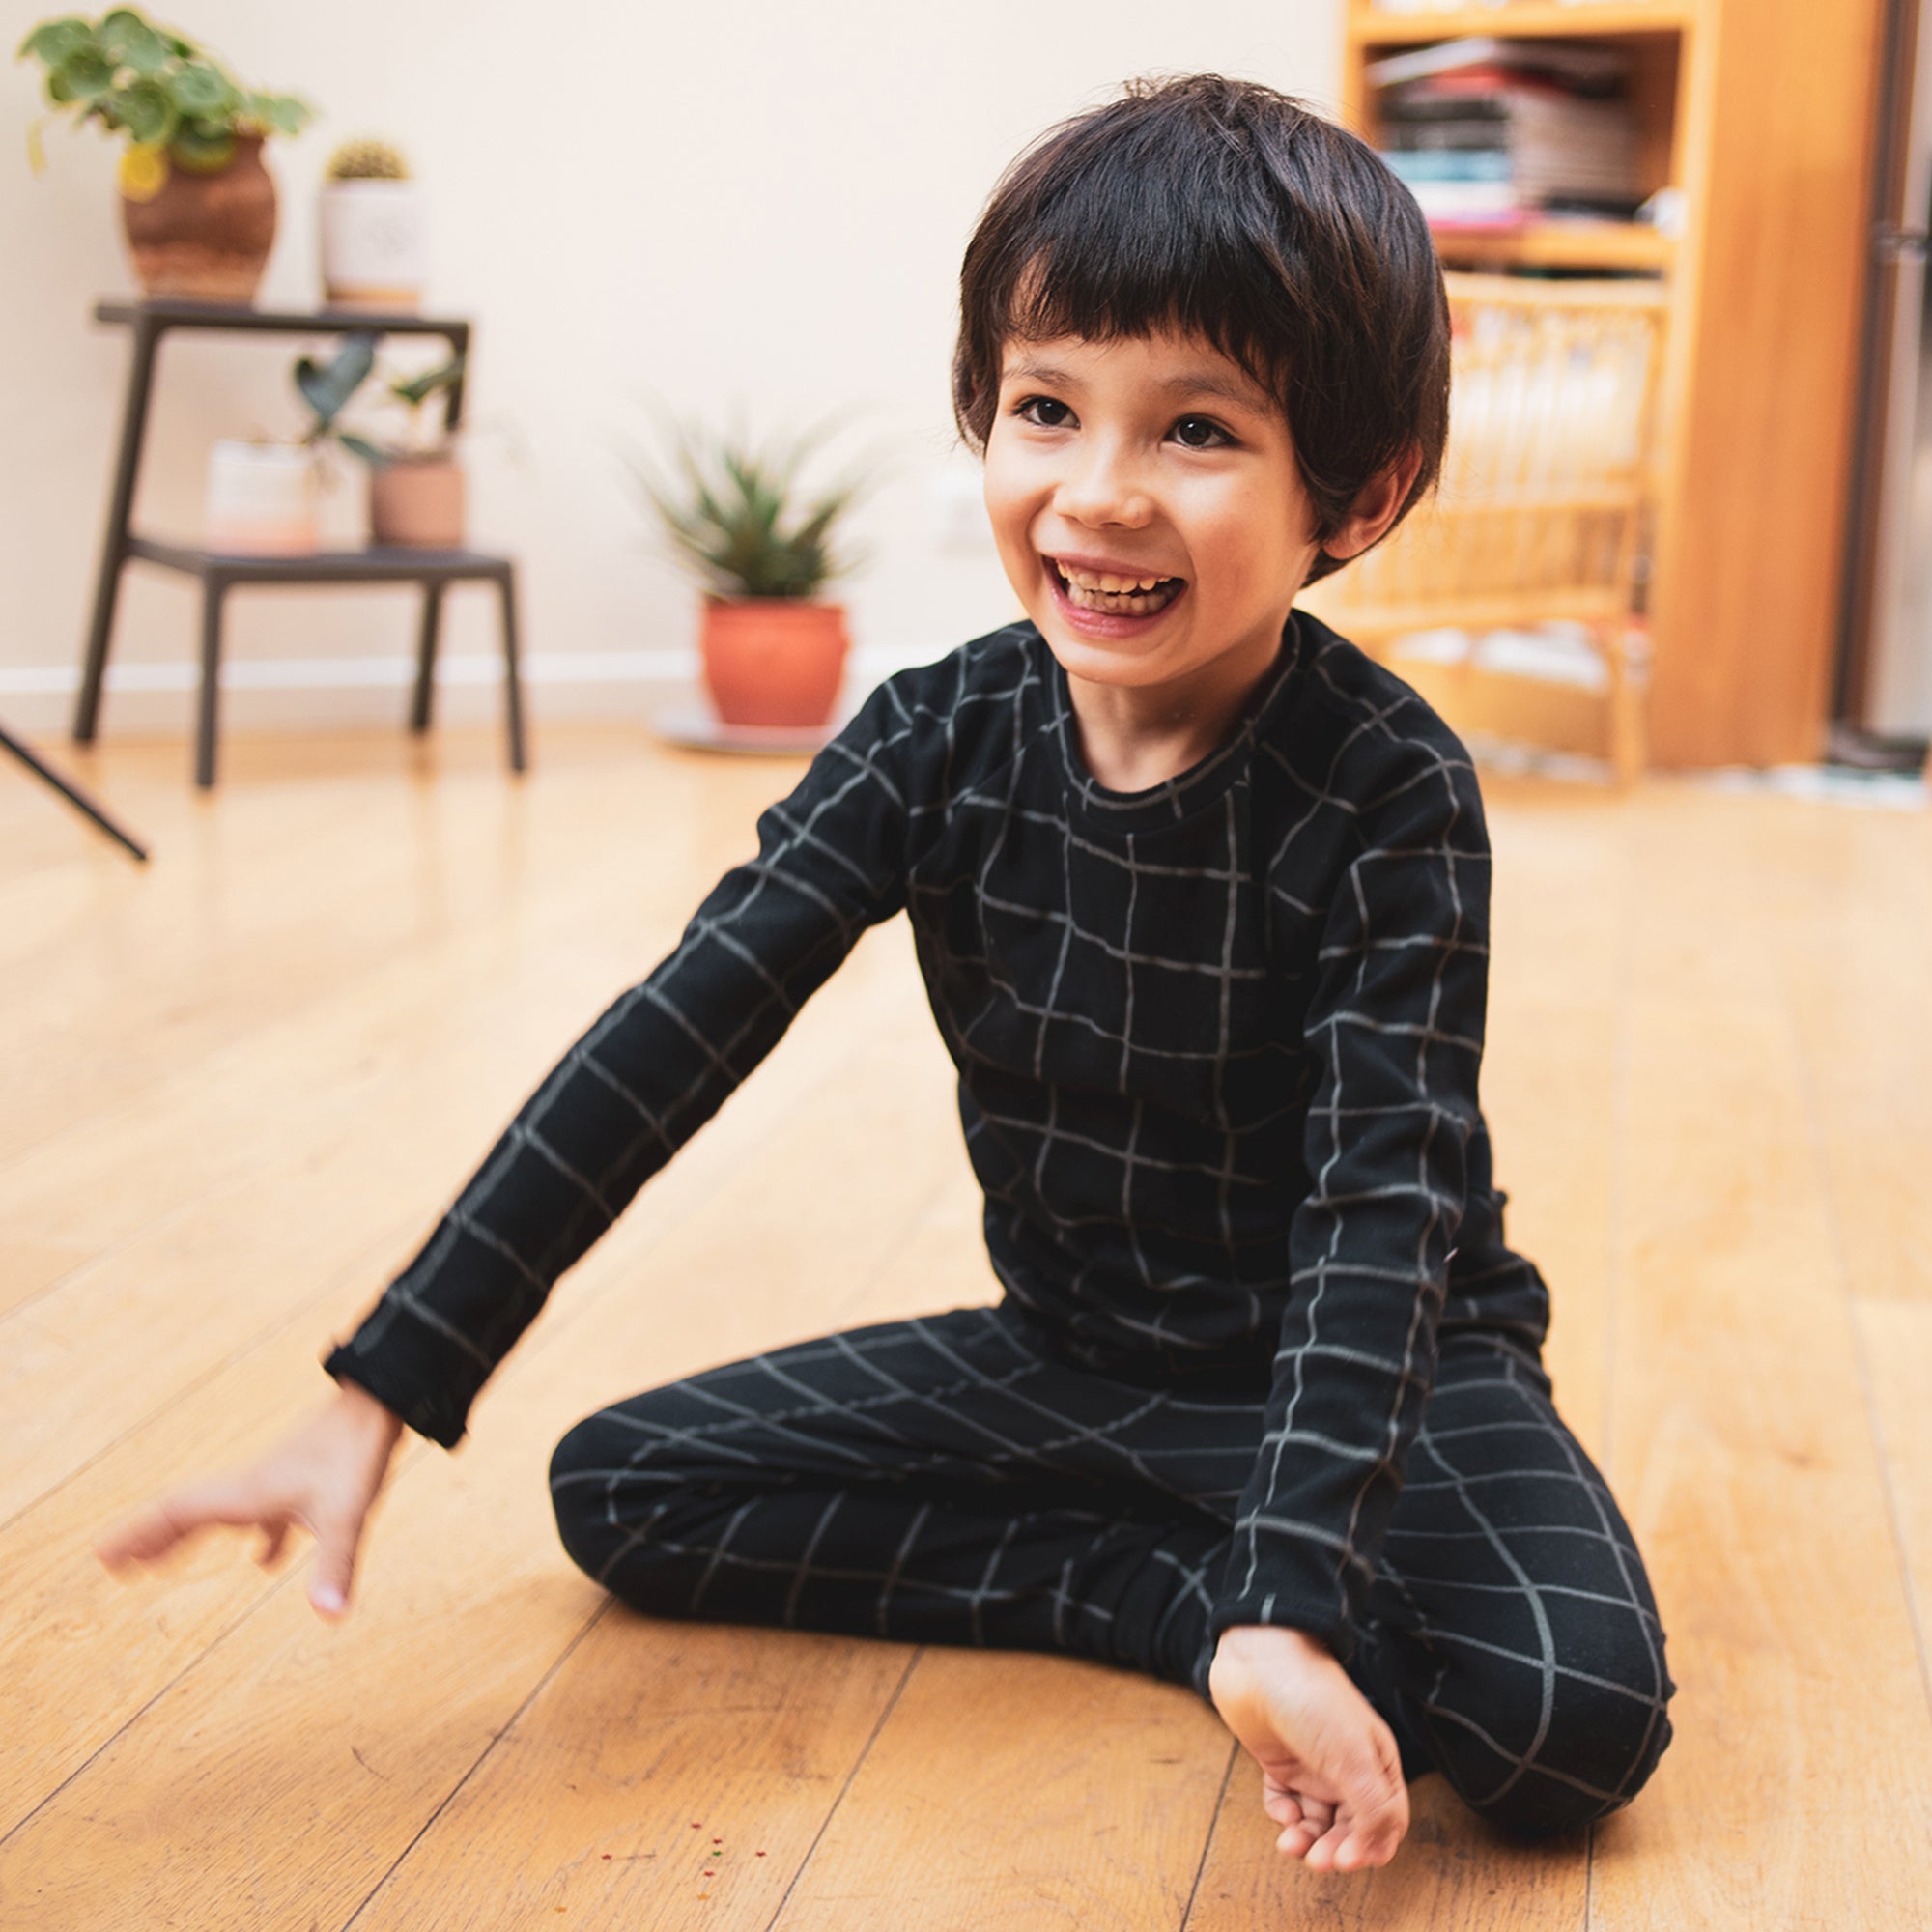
(197, 206)
(373, 238)
(261, 494)
(773, 652)
(415, 482)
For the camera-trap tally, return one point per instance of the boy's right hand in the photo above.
(323, 1475)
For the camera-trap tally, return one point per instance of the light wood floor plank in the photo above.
(1854, 926)
(1453, 1874)
(27, 1268)
(1120, 1790)
(1740, 1449)
(1896, 1340)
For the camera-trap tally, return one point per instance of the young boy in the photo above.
(1201, 897)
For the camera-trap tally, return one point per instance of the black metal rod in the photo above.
(458, 333)
(212, 592)
(431, 624)
(506, 586)
(114, 543)
(70, 791)
(172, 314)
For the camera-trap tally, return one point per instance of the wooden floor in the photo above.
(241, 1083)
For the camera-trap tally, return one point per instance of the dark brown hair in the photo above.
(1222, 208)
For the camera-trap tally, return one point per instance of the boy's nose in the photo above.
(1104, 490)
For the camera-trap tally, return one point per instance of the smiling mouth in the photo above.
(1117, 596)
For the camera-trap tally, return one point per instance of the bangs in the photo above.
(1130, 250)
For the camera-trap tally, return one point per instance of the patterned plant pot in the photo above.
(205, 237)
(374, 245)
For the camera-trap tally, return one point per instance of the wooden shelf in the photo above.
(1560, 244)
(1543, 18)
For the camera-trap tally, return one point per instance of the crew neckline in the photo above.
(1187, 792)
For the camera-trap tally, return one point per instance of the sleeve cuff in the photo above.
(412, 1371)
(1287, 1608)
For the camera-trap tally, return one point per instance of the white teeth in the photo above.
(1089, 580)
(1097, 594)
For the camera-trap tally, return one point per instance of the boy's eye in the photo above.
(1195, 432)
(1024, 410)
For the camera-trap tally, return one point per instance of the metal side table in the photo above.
(220, 572)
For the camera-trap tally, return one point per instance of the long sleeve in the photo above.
(1395, 1034)
(652, 1069)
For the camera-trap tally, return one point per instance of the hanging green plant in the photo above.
(175, 103)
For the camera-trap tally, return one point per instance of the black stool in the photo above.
(220, 572)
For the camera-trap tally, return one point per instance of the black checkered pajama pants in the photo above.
(955, 1480)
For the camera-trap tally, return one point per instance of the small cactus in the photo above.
(367, 161)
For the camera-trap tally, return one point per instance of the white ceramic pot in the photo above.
(374, 243)
(261, 500)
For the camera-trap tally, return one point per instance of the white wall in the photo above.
(760, 206)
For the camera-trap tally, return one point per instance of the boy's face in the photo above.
(1152, 457)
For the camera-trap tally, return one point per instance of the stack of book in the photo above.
(1494, 133)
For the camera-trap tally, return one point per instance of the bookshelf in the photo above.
(1759, 114)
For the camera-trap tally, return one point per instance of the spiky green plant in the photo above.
(171, 100)
(734, 515)
(367, 160)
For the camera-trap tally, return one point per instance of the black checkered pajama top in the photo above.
(1217, 1042)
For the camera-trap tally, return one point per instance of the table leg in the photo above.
(506, 586)
(431, 624)
(213, 591)
(114, 545)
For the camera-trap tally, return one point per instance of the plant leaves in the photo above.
(733, 513)
(359, 445)
(200, 90)
(419, 390)
(130, 42)
(202, 146)
(326, 386)
(86, 73)
(280, 113)
(146, 113)
(54, 41)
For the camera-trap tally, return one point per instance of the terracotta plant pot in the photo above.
(415, 502)
(206, 236)
(772, 660)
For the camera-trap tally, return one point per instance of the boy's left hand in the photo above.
(1331, 1775)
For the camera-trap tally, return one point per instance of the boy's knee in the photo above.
(607, 1500)
(582, 1493)
(616, 1512)
(1595, 1752)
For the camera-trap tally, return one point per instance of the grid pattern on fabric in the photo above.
(1218, 1047)
(952, 1479)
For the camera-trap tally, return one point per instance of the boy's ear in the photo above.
(1376, 507)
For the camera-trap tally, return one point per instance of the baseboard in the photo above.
(336, 693)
